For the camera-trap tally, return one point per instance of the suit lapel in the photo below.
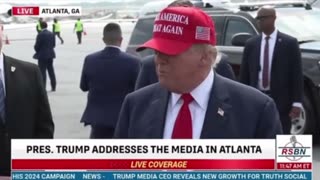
(10, 86)
(156, 114)
(8, 74)
(277, 46)
(216, 120)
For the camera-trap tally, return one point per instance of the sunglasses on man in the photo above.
(263, 17)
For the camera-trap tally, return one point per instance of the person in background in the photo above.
(78, 28)
(38, 26)
(272, 63)
(108, 76)
(56, 29)
(44, 47)
(191, 101)
(24, 108)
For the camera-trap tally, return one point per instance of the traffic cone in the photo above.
(7, 40)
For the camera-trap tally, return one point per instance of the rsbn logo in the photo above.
(294, 150)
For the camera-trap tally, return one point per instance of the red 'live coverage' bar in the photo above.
(25, 11)
(234, 164)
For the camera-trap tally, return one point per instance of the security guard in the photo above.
(38, 27)
(78, 27)
(56, 29)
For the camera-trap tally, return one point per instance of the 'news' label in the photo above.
(25, 11)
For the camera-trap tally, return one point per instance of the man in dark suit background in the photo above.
(24, 106)
(190, 100)
(109, 75)
(148, 75)
(272, 63)
(44, 47)
(222, 67)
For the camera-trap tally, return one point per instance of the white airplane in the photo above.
(4, 16)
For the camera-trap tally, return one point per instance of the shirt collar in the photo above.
(113, 46)
(200, 94)
(273, 35)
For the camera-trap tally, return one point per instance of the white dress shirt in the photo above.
(198, 108)
(2, 71)
(272, 43)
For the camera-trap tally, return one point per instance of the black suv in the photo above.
(235, 25)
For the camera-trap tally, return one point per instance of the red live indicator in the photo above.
(25, 11)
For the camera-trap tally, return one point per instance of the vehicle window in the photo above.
(142, 31)
(219, 23)
(234, 26)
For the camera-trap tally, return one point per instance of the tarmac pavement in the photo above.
(68, 102)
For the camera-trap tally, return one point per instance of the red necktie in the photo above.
(265, 72)
(183, 125)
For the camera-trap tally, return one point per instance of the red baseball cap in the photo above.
(176, 29)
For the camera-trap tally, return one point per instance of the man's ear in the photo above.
(120, 40)
(209, 56)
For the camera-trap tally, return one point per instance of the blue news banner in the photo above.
(163, 175)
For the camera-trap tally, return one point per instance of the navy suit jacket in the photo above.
(248, 113)
(45, 44)
(149, 76)
(28, 114)
(109, 75)
(286, 70)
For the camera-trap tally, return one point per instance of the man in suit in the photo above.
(272, 63)
(109, 75)
(44, 47)
(24, 106)
(190, 100)
(148, 75)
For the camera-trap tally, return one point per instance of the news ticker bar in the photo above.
(234, 175)
(46, 11)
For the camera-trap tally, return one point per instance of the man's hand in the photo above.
(295, 112)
